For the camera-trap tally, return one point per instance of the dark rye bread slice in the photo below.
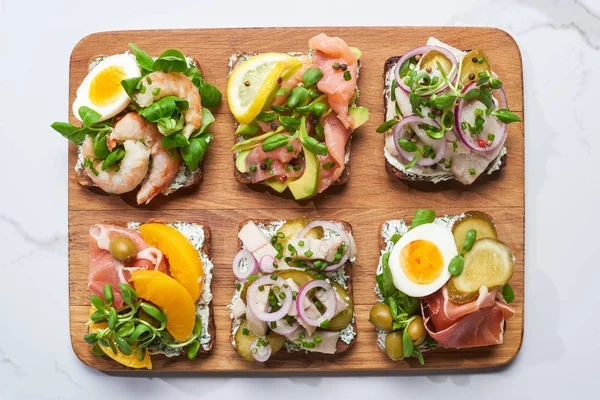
(241, 177)
(348, 268)
(194, 178)
(423, 182)
(206, 249)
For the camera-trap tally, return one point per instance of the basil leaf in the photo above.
(194, 74)
(471, 94)
(194, 152)
(312, 76)
(173, 141)
(266, 117)
(508, 293)
(457, 265)
(171, 61)
(114, 157)
(407, 344)
(409, 305)
(164, 108)
(70, 132)
(470, 239)
(131, 85)
(385, 280)
(418, 355)
(485, 96)
(88, 116)
(209, 94)
(395, 237)
(506, 116)
(387, 125)
(274, 142)
(142, 58)
(314, 146)
(415, 102)
(422, 216)
(443, 101)
(101, 148)
(407, 145)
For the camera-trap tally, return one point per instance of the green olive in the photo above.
(122, 248)
(416, 330)
(393, 345)
(381, 316)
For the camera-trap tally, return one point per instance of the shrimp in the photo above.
(131, 171)
(173, 84)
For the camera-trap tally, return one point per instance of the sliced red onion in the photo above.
(439, 145)
(339, 231)
(260, 353)
(422, 51)
(284, 328)
(244, 265)
(267, 281)
(266, 264)
(471, 141)
(330, 303)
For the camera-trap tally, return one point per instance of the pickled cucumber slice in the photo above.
(431, 58)
(291, 229)
(242, 342)
(489, 263)
(472, 69)
(480, 221)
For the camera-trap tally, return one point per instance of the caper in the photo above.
(416, 330)
(393, 345)
(381, 316)
(122, 248)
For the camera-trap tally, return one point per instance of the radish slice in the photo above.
(330, 302)
(266, 282)
(338, 231)
(267, 264)
(439, 145)
(471, 141)
(421, 51)
(260, 352)
(244, 265)
(284, 328)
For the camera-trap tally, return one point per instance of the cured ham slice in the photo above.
(474, 324)
(103, 268)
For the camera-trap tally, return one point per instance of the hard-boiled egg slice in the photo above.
(419, 260)
(101, 90)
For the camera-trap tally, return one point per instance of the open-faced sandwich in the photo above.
(143, 123)
(445, 116)
(441, 282)
(151, 291)
(293, 289)
(296, 113)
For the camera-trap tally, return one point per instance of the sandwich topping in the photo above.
(442, 282)
(143, 123)
(446, 114)
(292, 288)
(151, 286)
(296, 113)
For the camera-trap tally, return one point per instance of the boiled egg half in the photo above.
(419, 260)
(101, 90)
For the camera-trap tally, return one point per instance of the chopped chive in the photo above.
(324, 324)
(289, 148)
(273, 324)
(288, 168)
(274, 277)
(261, 287)
(309, 345)
(308, 253)
(268, 161)
(270, 170)
(282, 296)
(156, 91)
(253, 168)
(328, 165)
(472, 171)
(301, 243)
(318, 339)
(491, 137)
(347, 76)
(245, 331)
(297, 167)
(149, 80)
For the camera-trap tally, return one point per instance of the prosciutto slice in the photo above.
(103, 268)
(474, 324)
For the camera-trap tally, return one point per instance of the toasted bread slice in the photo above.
(184, 178)
(348, 269)
(241, 177)
(421, 182)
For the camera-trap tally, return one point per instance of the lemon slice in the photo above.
(251, 84)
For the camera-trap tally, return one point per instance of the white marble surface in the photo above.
(560, 42)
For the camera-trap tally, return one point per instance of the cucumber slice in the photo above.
(477, 220)
(242, 342)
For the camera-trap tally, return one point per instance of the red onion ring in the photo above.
(267, 280)
(284, 328)
(252, 264)
(339, 231)
(422, 51)
(471, 140)
(260, 353)
(266, 264)
(330, 303)
(439, 145)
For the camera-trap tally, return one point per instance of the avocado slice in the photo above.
(308, 184)
(249, 129)
(240, 161)
(276, 184)
(360, 115)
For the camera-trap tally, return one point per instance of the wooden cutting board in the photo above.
(369, 198)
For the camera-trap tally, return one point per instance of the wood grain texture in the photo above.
(369, 198)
